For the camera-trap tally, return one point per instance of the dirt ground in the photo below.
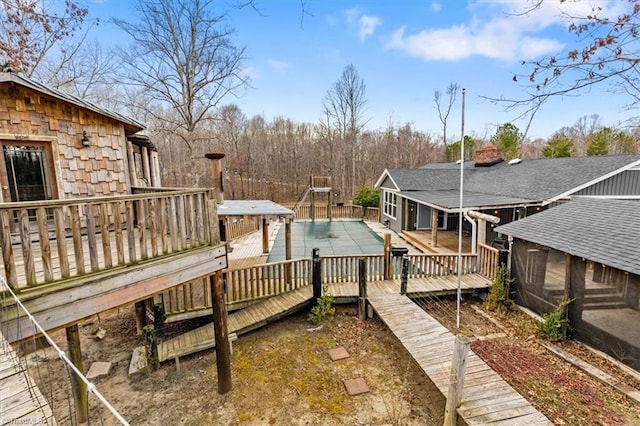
(282, 374)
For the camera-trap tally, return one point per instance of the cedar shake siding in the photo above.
(32, 118)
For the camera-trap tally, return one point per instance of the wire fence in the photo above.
(38, 378)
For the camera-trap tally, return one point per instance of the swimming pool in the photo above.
(338, 237)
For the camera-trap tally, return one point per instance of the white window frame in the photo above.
(390, 204)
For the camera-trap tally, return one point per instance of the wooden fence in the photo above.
(349, 211)
(259, 281)
(487, 263)
(238, 227)
(46, 241)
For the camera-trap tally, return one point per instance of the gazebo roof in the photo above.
(253, 208)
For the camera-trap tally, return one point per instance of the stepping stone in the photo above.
(338, 353)
(356, 386)
(98, 369)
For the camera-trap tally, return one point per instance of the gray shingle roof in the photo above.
(450, 199)
(535, 180)
(131, 125)
(604, 231)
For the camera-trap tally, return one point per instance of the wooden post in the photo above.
(316, 276)
(287, 250)
(434, 227)
(132, 165)
(362, 288)
(150, 334)
(221, 333)
(265, 235)
(312, 208)
(404, 278)
(217, 175)
(146, 170)
(456, 380)
(330, 207)
(387, 256)
(214, 226)
(80, 395)
(141, 317)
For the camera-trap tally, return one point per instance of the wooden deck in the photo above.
(276, 307)
(486, 399)
(20, 399)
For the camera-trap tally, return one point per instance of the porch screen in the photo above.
(605, 307)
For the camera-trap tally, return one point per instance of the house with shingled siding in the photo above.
(57, 146)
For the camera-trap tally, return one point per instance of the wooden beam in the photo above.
(387, 256)
(456, 380)
(221, 333)
(80, 395)
(362, 288)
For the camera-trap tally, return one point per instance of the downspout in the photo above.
(474, 235)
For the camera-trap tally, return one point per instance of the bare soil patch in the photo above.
(283, 374)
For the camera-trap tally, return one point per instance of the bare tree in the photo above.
(606, 52)
(343, 107)
(30, 30)
(445, 110)
(182, 56)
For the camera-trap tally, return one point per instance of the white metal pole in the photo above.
(460, 213)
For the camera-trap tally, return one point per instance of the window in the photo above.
(390, 204)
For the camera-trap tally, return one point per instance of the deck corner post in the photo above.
(387, 256)
(456, 379)
(221, 333)
(265, 235)
(214, 226)
(80, 395)
(362, 288)
(404, 278)
(316, 275)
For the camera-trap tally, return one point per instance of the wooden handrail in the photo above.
(47, 241)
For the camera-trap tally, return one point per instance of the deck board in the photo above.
(486, 397)
(21, 402)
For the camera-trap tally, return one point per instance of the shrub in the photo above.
(367, 196)
(554, 325)
(498, 297)
(323, 310)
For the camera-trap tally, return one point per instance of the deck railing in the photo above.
(320, 182)
(423, 265)
(338, 269)
(240, 227)
(348, 211)
(487, 261)
(47, 241)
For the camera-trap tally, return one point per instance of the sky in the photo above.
(403, 51)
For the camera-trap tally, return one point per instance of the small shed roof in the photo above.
(252, 208)
(602, 230)
(131, 125)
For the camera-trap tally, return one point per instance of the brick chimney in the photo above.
(218, 187)
(487, 156)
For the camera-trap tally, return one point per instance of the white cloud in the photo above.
(498, 30)
(368, 26)
(278, 64)
(436, 6)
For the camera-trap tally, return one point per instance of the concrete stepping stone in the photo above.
(338, 353)
(356, 386)
(98, 369)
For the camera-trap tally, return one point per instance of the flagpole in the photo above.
(459, 293)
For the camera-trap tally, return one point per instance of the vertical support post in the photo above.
(316, 275)
(404, 278)
(387, 256)
(141, 317)
(150, 334)
(434, 227)
(265, 235)
(362, 288)
(146, 170)
(312, 209)
(287, 250)
(214, 226)
(221, 333)
(132, 164)
(216, 171)
(456, 380)
(80, 396)
(330, 207)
